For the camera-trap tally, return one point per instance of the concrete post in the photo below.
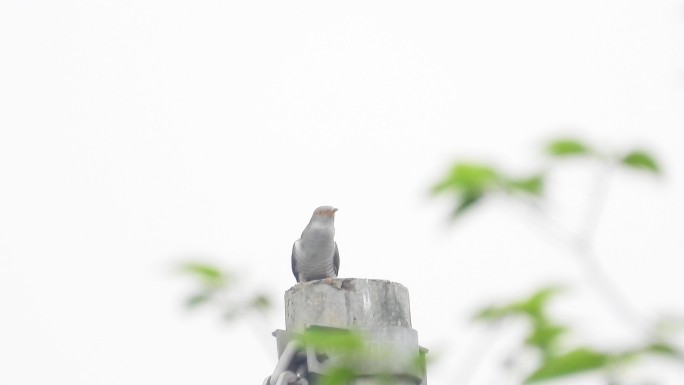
(378, 310)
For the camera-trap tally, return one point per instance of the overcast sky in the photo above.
(134, 134)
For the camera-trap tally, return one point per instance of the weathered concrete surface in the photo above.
(347, 303)
(379, 310)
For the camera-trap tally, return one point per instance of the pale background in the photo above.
(135, 134)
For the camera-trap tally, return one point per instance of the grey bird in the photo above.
(315, 254)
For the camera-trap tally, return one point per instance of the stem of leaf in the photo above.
(582, 246)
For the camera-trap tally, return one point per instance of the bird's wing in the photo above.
(336, 259)
(294, 261)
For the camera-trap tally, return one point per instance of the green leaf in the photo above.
(492, 313)
(576, 361)
(261, 302)
(210, 275)
(338, 340)
(466, 202)
(419, 361)
(197, 300)
(468, 177)
(535, 306)
(470, 182)
(663, 349)
(339, 375)
(533, 185)
(545, 336)
(641, 160)
(567, 147)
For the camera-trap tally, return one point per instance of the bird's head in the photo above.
(324, 213)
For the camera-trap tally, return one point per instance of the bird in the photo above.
(315, 255)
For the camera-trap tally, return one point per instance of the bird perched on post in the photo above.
(315, 254)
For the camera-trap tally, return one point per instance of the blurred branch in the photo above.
(582, 247)
(216, 287)
(470, 183)
(557, 359)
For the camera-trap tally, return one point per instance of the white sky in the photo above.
(137, 133)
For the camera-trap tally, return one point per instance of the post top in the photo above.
(342, 283)
(350, 303)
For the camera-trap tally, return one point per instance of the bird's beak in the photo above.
(332, 211)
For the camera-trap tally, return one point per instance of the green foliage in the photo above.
(533, 185)
(217, 287)
(197, 299)
(471, 182)
(545, 336)
(209, 275)
(636, 159)
(575, 361)
(331, 339)
(585, 359)
(420, 362)
(348, 348)
(339, 375)
(468, 200)
(567, 147)
(641, 160)
(347, 354)
(663, 348)
(535, 306)
(261, 302)
(469, 177)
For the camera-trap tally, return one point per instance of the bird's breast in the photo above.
(318, 242)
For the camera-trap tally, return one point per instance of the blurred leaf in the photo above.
(388, 379)
(261, 302)
(573, 362)
(466, 202)
(420, 361)
(210, 275)
(340, 375)
(545, 336)
(642, 161)
(663, 348)
(543, 333)
(533, 185)
(535, 306)
(217, 287)
(339, 340)
(197, 300)
(567, 147)
(468, 177)
(470, 181)
(493, 313)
